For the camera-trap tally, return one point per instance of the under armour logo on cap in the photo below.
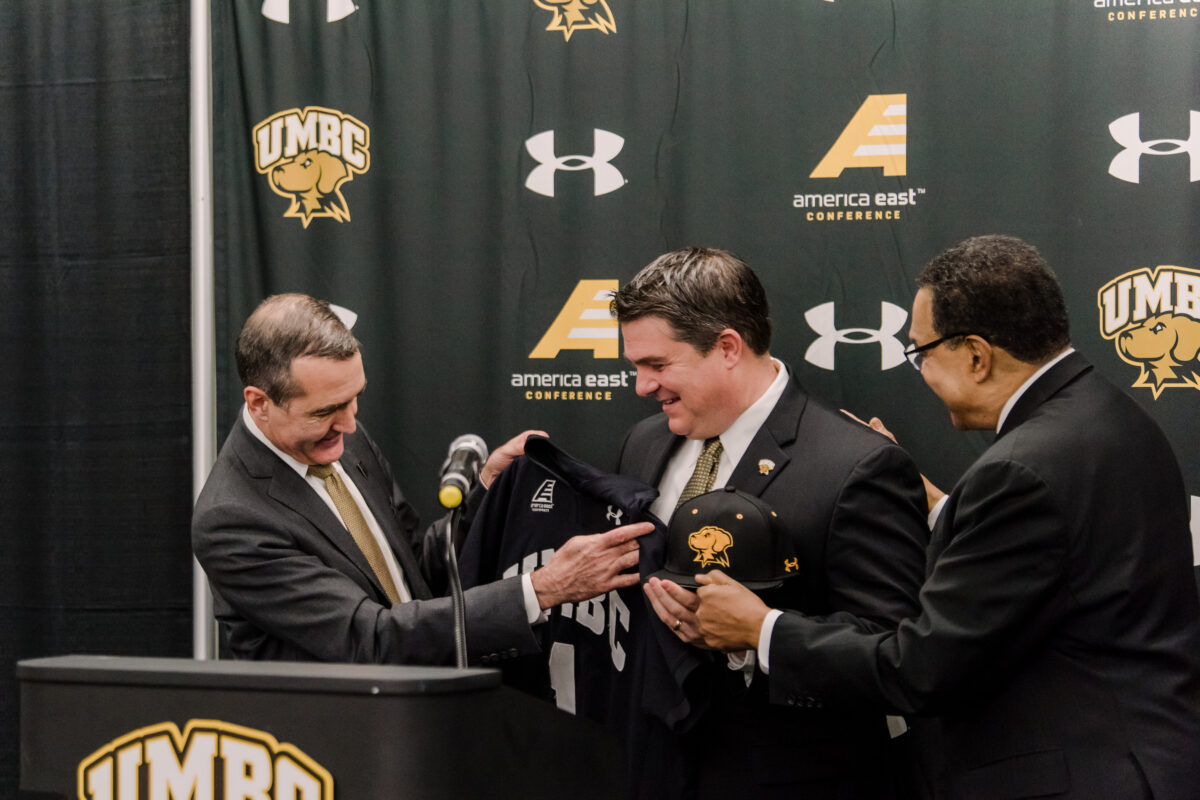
(732, 531)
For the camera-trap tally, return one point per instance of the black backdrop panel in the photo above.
(94, 272)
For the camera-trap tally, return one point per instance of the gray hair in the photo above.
(283, 328)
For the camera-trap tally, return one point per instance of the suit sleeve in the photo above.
(277, 572)
(995, 590)
(875, 551)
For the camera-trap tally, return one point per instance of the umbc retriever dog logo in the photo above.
(578, 15)
(307, 155)
(711, 545)
(1153, 318)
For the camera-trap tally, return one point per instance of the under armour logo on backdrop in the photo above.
(281, 10)
(605, 147)
(1127, 132)
(821, 320)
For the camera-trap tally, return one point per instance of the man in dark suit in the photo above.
(1058, 632)
(308, 542)
(695, 325)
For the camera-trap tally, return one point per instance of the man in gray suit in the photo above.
(1058, 633)
(308, 542)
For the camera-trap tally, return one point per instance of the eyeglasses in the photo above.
(916, 356)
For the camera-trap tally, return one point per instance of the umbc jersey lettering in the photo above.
(609, 658)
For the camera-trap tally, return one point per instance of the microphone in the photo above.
(461, 469)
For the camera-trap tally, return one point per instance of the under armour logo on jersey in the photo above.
(605, 177)
(1127, 131)
(821, 320)
(614, 515)
(543, 498)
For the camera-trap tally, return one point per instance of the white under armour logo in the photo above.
(605, 147)
(614, 515)
(1127, 131)
(281, 10)
(821, 352)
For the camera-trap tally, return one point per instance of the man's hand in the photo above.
(676, 607)
(503, 455)
(729, 615)
(587, 566)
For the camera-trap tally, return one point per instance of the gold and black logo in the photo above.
(578, 15)
(1153, 319)
(206, 757)
(307, 154)
(711, 545)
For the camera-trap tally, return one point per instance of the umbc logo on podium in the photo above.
(307, 154)
(209, 760)
(1153, 319)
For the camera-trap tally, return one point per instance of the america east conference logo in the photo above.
(208, 760)
(1153, 319)
(307, 155)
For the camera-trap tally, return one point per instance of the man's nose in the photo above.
(343, 420)
(645, 384)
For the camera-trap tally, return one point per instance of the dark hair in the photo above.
(699, 292)
(285, 327)
(1000, 288)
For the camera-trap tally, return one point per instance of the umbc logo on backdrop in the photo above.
(876, 137)
(307, 155)
(1153, 318)
(159, 761)
(578, 15)
(584, 323)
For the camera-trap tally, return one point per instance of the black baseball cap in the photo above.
(732, 531)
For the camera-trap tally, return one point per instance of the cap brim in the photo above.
(689, 580)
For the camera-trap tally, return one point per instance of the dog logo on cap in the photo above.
(712, 545)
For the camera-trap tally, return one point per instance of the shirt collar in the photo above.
(1012, 401)
(737, 437)
(300, 469)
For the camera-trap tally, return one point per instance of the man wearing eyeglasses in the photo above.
(1058, 635)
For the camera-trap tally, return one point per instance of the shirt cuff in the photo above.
(533, 609)
(764, 640)
(936, 511)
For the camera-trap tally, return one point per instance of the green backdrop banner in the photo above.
(472, 179)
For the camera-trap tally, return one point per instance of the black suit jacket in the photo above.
(290, 583)
(1057, 637)
(853, 503)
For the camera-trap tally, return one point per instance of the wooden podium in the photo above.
(113, 728)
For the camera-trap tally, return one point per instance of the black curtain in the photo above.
(94, 334)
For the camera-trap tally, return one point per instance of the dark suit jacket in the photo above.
(853, 502)
(1057, 635)
(289, 582)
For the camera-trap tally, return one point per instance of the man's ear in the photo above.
(256, 401)
(731, 346)
(981, 355)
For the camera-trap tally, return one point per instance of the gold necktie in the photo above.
(705, 472)
(353, 519)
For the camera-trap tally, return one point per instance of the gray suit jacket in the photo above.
(853, 503)
(1059, 627)
(290, 583)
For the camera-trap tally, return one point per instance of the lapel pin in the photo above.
(361, 469)
(765, 466)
